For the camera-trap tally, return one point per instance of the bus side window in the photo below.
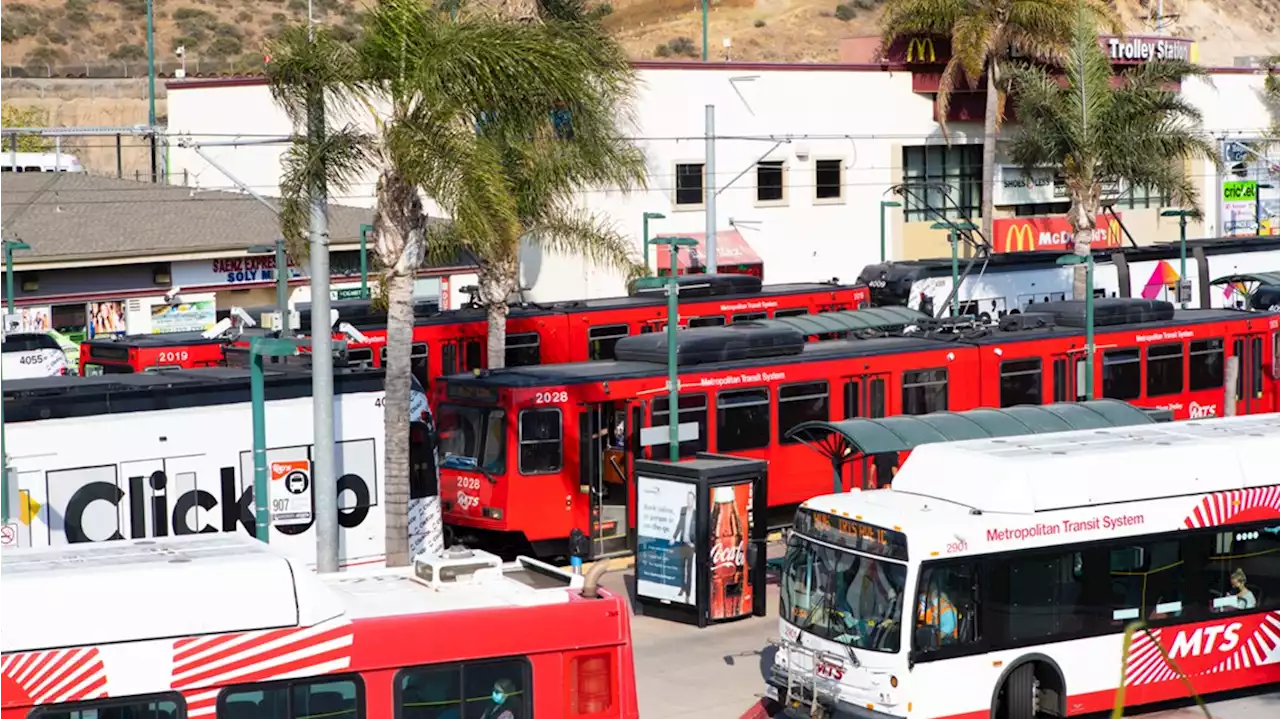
(337, 697)
(1147, 581)
(1033, 597)
(946, 611)
(160, 705)
(490, 688)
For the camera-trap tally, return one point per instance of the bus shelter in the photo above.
(875, 446)
(1259, 289)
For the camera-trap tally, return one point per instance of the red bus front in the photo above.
(128, 355)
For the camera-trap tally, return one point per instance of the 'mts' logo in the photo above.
(1206, 640)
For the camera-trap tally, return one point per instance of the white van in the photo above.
(32, 354)
(39, 162)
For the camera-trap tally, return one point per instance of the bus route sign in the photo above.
(290, 493)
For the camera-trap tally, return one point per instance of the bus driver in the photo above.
(937, 611)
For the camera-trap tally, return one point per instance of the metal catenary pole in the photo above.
(151, 86)
(1088, 328)
(282, 288)
(257, 400)
(709, 176)
(673, 374)
(324, 483)
(955, 273)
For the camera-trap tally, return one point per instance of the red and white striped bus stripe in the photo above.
(58, 675)
(1218, 509)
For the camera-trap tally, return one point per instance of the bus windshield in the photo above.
(849, 598)
(472, 438)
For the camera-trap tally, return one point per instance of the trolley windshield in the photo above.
(472, 438)
(846, 596)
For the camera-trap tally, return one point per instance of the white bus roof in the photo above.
(202, 584)
(1063, 470)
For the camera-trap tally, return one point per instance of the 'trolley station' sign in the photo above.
(1132, 50)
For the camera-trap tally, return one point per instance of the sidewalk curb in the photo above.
(756, 711)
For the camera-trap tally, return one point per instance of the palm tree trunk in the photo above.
(990, 123)
(400, 226)
(1084, 225)
(497, 280)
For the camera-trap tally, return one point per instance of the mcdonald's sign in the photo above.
(1050, 234)
(917, 47)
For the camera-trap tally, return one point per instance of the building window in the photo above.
(924, 391)
(828, 180)
(693, 408)
(492, 688)
(958, 168)
(540, 447)
(523, 349)
(770, 181)
(1020, 382)
(1041, 209)
(602, 340)
(742, 420)
(803, 402)
(1164, 369)
(1136, 197)
(1122, 374)
(689, 184)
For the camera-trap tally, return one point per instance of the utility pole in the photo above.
(151, 88)
(709, 179)
(324, 483)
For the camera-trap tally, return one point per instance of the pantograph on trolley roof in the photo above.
(846, 440)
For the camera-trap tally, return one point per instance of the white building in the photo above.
(804, 156)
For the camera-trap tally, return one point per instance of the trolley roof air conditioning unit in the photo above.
(456, 566)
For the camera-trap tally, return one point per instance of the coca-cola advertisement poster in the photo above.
(667, 530)
(730, 528)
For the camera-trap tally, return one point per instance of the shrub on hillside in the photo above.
(225, 47)
(43, 56)
(127, 52)
(190, 43)
(132, 9)
(845, 13)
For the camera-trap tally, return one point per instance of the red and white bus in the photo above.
(996, 579)
(221, 626)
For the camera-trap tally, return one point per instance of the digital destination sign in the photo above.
(471, 393)
(852, 534)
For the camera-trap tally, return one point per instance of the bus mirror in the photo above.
(926, 638)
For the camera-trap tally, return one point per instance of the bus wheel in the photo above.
(1020, 693)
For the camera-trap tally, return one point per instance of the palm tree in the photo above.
(985, 36)
(1100, 126)
(422, 81)
(580, 143)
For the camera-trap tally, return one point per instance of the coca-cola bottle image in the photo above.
(730, 595)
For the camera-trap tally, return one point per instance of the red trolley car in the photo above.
(532, 453)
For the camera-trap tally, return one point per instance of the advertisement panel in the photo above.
(1249, 203)
(191, 315)
(30, 319)
(1050, 234)
(1240, 207)
(730, 531)
(666, 520)
(105, 318)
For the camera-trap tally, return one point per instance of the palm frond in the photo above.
(301, 63)
(333, 162)
(567, 230)
(912, 18)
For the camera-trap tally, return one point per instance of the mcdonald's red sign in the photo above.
(1050, 234)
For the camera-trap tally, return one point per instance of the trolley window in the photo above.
(924, 391)
(750, 317)
(1021, 382)
(541, 445)
(1207, 365)
(524, 349)
(602, 340)
(1122, 374)
(160, 706)
(491, 688)
(793, 312)
(693, 408)
(712, 321)
(329, 697)
(1164, 369)
(742, 420)
(803, 402)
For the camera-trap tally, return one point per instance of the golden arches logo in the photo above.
(1112, 236)
(917, 47)
(1020, 238)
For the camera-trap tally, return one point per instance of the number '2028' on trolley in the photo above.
(535, 452)
(997, 577)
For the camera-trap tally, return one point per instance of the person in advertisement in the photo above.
(728, 553)
(683, 539)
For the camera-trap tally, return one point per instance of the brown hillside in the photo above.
(222, 35)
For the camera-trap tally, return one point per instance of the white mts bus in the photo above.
(996, 578)
(171, 453)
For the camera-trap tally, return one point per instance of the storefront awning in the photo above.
(845, 440)
(731, 251)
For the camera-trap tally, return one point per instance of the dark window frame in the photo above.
(823, 189)
(1120, 357)
(748, 317)
(1022, 371)
(683, 190)
(707, 321)
(700, 403)
(526, 676)
(767, 402)
(595, 335)
(926, 386)
(58, 709)
(959, 163)
(1157, 381)
(790, 312)
(771, 182)
(1200, 369)
(523, 346)
(288, 684)
(825, 396)
(521, 441)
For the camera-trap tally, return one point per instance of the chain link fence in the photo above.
(168, 69)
